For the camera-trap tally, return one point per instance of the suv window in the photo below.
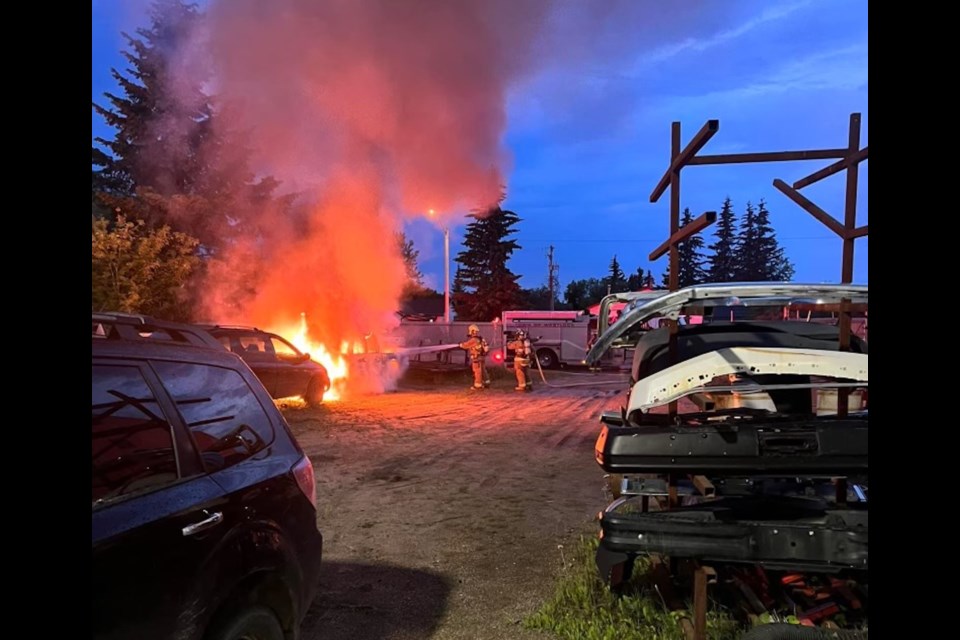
(283, 348)
(132, 440)
(226, 419)
(248, 346)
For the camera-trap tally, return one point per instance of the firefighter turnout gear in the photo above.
(477, 350)
(522, 351)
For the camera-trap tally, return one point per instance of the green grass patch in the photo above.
(583, 608)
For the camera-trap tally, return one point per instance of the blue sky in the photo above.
(589, 145)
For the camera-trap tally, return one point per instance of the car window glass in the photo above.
(283, 349)
(132, 440)
(255, 347)
(227, 420)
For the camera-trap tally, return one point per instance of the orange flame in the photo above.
(336, 366)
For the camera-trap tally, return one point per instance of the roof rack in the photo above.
(110, 325)
(206, 325)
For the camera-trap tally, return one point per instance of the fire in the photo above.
(335, 364)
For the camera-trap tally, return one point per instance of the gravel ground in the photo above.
(445, 511)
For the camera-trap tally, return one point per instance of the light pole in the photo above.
(446, 270)
(446, 275)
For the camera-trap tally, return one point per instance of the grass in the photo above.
(583, 608)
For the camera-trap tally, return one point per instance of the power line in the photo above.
(639, 240)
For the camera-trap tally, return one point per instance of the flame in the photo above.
(335, 364)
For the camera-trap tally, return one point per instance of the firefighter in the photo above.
(477, 350)
(522, 350)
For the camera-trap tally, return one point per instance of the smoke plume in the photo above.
(376, 110)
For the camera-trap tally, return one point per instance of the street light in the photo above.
(446, 270)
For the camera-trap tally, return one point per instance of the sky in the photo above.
(587, 144)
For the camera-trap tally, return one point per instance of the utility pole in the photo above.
(552, 280)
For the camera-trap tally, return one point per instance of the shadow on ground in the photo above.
(375, 602)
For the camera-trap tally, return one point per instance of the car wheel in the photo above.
(547, 358)
(256, 623)
(315, 390)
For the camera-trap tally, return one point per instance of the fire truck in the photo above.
(559, 337)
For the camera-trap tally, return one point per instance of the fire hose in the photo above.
(414, 351)
(449, 347)
(572, 384)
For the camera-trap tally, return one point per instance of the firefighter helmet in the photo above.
(473, 330)
(521, 334)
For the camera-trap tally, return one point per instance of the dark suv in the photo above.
(281, 367)
(204, 505)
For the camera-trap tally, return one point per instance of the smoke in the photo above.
(376, 111)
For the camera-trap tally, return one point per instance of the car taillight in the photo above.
(497, 356)
(303, 472)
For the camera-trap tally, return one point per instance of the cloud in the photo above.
(843, 69)
(769, 14)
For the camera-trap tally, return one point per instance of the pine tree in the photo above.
(167, 162)
(775, 266)
(723, 262)
(484, 285)
(749, 266)
(616, 280)
(154, 129)
(410, 257)
(636, 280)
(691, 258)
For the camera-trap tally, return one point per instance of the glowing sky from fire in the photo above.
(588, 133)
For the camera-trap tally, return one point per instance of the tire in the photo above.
(547, 358)
(315, 390)
(255, 623)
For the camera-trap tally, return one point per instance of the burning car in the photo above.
(283, 369)
(755, 464)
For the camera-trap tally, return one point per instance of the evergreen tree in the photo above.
(775, 265)
(749, 263)
(616, 280)
(154, 129)
(485, 286)
(457, 290)
(636, 280)
(649, 281)
(167, 162)
(691, 258)
(723, 262)
(410, 257)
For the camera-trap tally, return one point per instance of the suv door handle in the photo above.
(197, 527)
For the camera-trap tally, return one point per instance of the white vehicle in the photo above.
(559, 337)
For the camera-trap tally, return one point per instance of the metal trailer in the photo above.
(417, 333)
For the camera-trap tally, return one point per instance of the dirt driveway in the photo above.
(442, 508)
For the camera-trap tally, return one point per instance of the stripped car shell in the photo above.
(771, 458)
(671, 305)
